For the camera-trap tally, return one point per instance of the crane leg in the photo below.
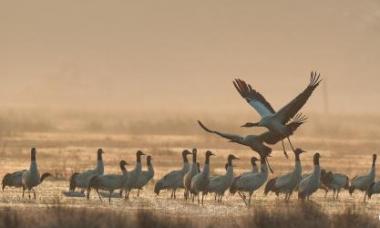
(365, 197)
(290, 194)
(23, 191)
(34, 194)
(126, 196)
(291, 145)
(185, 195)
(334, 192)
(337, 194)
(243, 198)
(249, 201)
(97, 191)
(88, 194)
(109, 198)
(284, 149)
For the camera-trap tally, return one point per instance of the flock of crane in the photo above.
(197, 182)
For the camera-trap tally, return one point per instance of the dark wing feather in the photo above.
(273, 138)
(231, 137)
(297, 121)
(250, 95)
(289, 110)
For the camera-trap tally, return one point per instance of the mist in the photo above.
(181, 57)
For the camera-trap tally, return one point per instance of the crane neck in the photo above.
(298, 168)
(194, 158)
(317, 171)
(297, 157)
(122, 168)
(230, 170)
(316, 161)
(263, 165)
(100, 166)
(297, 161)
(33, 156)
(207, 161)
(206, 169)
(184, 157)
(138, 158)
(150, 166)
(229, 163)
(33, 166)
(138, 165)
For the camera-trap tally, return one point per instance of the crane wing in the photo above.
(271, 138)
(284, 180)
(288, 111)
(254, 98)
(303, 185)
(231, 137)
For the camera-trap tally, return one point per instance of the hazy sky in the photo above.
(172, 55)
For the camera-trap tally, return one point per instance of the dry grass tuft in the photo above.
(297, 215)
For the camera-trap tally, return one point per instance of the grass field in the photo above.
(63, 152)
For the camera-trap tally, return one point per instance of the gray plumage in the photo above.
(311, 183)
(219, 184)
(31, 177)
(133, 175)
(13, 179)
(200, 181)
(194, 170)
(146, 175)
(174, 179)
(81, 180)
(362, 183)
(109, 182)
